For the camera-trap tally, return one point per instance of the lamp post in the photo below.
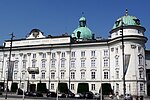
(124, 85)
(12, 36)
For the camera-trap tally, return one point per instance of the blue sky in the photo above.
(54, 17)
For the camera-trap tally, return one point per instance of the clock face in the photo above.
(35, 34)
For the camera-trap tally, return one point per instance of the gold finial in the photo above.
(126, 12)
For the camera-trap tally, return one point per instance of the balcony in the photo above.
(33, 70)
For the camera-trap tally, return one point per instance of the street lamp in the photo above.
(8, 76)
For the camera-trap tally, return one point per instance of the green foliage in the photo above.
(106, 89)
(14, 87)
(83, 87)
(63, 87)
(41, 87)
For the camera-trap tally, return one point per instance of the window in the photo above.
(63, 54)
(105, 62)
(33, 64)
(24, 64)
(44, 55)
(43, 64)
(52, 75)
(53, 55)
(117, 61)
(141, 87)
(22, 85)
(73, 54)
(33, 76)
(73, 63)
(117, 74)
(53, 63)
(15, 75)
(92, 86)
(140, 60)
(52, 86)
(72, 86)
(72, 75)
(34, 55)
(141, 74)
(24, 57)
(92, 75)
(43, 75)
(16, 65)
(62, 75)
(82, 53)
(117, 87)
(93, 63)
(82, 63)
(82, 75)
(92, 53)
(116, 50)
(105, 52)
(23, 75)
(105, 75)
(62, 63)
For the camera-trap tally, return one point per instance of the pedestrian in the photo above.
(117, 97)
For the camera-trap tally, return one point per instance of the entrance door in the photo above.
(32, 87)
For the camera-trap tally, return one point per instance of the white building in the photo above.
(80, 60)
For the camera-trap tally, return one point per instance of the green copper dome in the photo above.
(127, 20)
(83, 32)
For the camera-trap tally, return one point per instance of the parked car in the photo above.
(98, 96)
(71, 95)
(128, 97)
(34, 94)
(79, 95)
(88, 95)
(62, 95)
(51, 94)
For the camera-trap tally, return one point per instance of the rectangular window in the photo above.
(82, 75)
(43, 64)
(117, 74)
(92, 75)
(15, 75)
(141, 87)
(33, 64)
(117, 87)
(63, 54)
(34, 55)
(53, 55)
(92, 86)
(72, 75)
(73, 54)
(44, 55)
(52, 75)
(43, 75)
(93, 53)
(141, 74)
(62, 75)
(62, 63)
(23, 75)
(24, 64)
(117, 61)
(24, 57)
(33, 76)
(105, 52)
(93, 63)
(82, 63)
(140, 60)
(116, 50)
(52, 86)
(105, 75)
(53, 63)
(16, 65)
(105, 62)
(72, 86)
(82, 53)
(22, 85)
(73, 63)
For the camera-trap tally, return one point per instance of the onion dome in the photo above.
(82, 32)
(127, 21)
